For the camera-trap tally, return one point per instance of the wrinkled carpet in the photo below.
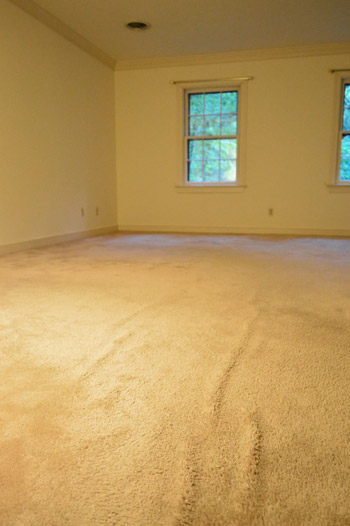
(172, 380)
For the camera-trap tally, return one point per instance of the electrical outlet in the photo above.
(82, 212)
(270, 211)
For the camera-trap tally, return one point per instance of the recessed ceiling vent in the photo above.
(137, 26)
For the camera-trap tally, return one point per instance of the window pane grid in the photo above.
(344, 164)
(346, 108)
(211, 124)
(200, 153)
(211, 160)
(211, 136)
(344, 137)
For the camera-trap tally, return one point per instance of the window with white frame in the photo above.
(212, 122)
(343, 158)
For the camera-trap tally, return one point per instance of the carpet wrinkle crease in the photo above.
(192, 478)
(240, 467)
(221, 390)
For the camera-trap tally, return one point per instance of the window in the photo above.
(212, 123)
(343, 169)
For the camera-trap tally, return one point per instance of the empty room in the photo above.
(175, 263)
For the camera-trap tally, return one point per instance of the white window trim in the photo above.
(239, 185)
(333, 183)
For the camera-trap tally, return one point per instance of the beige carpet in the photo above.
(176, 380)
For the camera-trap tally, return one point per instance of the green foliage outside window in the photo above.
(212, 114)
(344, 171)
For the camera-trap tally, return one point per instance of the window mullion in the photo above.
(203, 128)
(212, 137)
(220, 114)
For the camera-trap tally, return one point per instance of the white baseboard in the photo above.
(313, 232)
(55, 240)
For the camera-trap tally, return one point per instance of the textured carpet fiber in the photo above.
(155, 380)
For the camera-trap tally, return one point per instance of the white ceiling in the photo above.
(188, 27)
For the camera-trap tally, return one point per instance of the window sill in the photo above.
(338, 188)
(204, 189)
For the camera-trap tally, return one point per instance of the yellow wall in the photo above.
(57, 133)
(57, 136)
(289, 137)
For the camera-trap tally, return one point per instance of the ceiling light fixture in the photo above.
(137, 26)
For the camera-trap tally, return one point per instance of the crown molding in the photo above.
(63, 30)
(54, 23)
(235, 56)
